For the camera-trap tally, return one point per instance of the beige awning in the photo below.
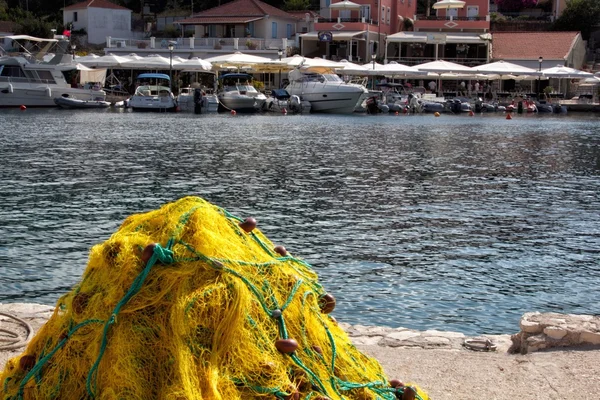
(336, 35)
(421, 37)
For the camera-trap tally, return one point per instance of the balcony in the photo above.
(203, 45)
(347, 24)
(449, 23)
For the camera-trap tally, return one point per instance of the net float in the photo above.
(280, 250)
(248, 224)
(327, 303)
(286, 345)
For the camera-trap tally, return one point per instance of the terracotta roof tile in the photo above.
(531, 45)
(236, 9)
(95, 4)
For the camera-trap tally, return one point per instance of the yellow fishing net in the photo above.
(191, 302)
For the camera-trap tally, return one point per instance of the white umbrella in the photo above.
(560, 71)
(237, 59)
(90, 57)
(153, 61)
(108, 61)
(193, 64)
(133, 56)
(504, 68)
(441, 66)
(447, 4)
(345, 5)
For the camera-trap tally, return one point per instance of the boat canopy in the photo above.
(153, 76)
(236, 76)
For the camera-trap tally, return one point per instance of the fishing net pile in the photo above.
(191, 302)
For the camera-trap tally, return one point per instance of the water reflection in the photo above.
(449, 223)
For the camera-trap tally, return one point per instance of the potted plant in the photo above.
(250, 45)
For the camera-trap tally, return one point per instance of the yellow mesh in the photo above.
(201, 315)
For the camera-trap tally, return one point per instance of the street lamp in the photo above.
(540, 60)
(170, 65)
(280, 53)
(373, 55)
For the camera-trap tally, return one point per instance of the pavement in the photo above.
(436, 361)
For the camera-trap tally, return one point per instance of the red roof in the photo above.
(95, 4)
(232, 12)
(532, 45)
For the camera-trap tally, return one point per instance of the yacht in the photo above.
(26, 79)
(153, 93)
(236, 93)
(326, 92)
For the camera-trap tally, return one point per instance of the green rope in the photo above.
(164, 255)
(38, 366)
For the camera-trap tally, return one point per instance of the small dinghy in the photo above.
(71, 103)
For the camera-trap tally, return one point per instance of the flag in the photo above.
(67, 33)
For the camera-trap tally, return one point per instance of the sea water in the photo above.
(454, 223)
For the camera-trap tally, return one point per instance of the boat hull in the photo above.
(71, 103)
(152, 104)
(43, 96)
(335, 99)
(240, 103)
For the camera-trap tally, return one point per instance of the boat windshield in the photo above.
(239, 88)
(322, 78)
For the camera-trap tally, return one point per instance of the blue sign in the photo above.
(325, 36)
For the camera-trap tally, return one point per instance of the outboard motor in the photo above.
(197, 101)
(478, 105)
(456, 106)
(372, 107)
(295, 104)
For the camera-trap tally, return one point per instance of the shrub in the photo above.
(250, 45)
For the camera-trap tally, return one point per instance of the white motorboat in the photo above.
(237, 93)
(197, 100)
(326, 92)
(153, 93)
(27, 80)
(73, 103)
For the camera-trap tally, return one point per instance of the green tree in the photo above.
(579, 15)
(296, 5)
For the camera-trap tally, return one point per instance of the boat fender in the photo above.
(48, 91)
(10, 88)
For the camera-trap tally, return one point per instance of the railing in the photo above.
(200, 43)
(469, 62)
(423, 17)
(13, 79)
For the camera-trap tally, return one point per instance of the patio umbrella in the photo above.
(345, 5)
(504, 68)
(560, 71)
(153, 61)
(441, 66)
(90, 57)
(193, 64)
(106, 61)
(447, 4)
(236, 59)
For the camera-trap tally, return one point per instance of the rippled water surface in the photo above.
(451, 223)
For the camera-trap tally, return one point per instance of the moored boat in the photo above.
(153, 93)
(326, 92)
(27, 80)
(73, 103)
(237, 93)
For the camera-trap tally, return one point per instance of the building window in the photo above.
(75, 16)
(365, 12)
(251, 28)
(273, 30)
(288, 31)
